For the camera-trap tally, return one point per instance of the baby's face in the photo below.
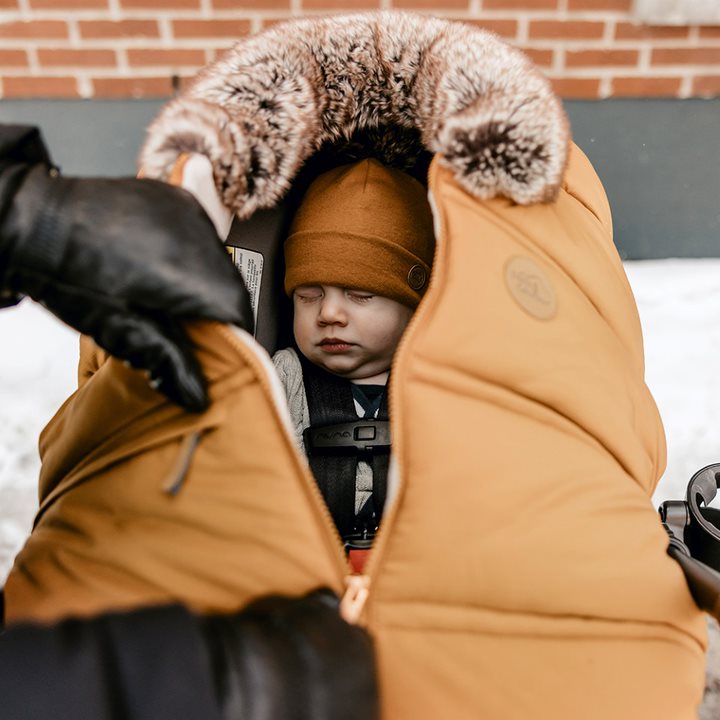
(351, 333)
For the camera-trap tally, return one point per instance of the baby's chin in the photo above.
(349, 366)
(341, 366)
(362, 375)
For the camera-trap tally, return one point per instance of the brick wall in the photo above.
(143, 48)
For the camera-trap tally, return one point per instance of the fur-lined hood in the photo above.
(404, 82)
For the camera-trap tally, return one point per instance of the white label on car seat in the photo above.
(250, 265)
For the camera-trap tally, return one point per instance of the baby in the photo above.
(358, 260)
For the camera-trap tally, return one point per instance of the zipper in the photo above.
(357, 589)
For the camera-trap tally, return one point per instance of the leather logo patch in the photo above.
(530, 287)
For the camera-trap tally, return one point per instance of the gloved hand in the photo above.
(125, 261)
(283, 657)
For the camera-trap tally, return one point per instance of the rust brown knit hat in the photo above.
(363, 226)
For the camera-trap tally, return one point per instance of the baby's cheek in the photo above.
(300, 331)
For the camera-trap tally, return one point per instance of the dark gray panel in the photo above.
(87, 137)
(658, 159)
(660, 163)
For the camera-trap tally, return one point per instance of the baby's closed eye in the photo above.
(308, 293)
(359, 296)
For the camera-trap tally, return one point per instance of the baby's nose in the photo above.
(331, 312)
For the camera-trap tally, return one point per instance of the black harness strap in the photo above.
(330, 402)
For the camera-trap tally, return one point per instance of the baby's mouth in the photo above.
(334, 345)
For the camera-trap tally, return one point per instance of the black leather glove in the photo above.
(292, 658)
(125, 261)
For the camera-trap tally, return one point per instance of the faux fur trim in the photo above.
(276, 98)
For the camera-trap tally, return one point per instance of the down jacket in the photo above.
(520, 570)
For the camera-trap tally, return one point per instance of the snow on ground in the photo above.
(37, 372)
(679, 304)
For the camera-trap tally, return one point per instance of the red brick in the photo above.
(39, 87)
(706, 85)
(577, 87)
(96, 29)
(520, 4)
(210, 28)
(52, 57)
(504, 28)
(251, 4)
(645, 86)
(13, 58)
(611, 5)
(586, 58)
(34, 29)
(566, 30)
(170, 57)
(544, 58)
(348, 5)
(269, 22)
(160, 87)
(438, 5)
(217, 53)
(630, 31)
(416, 4)
(8, 4)
(68, 4)
(684, 56)
(710, 32)
(160, 4)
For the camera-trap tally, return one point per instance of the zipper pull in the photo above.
(353, 601)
